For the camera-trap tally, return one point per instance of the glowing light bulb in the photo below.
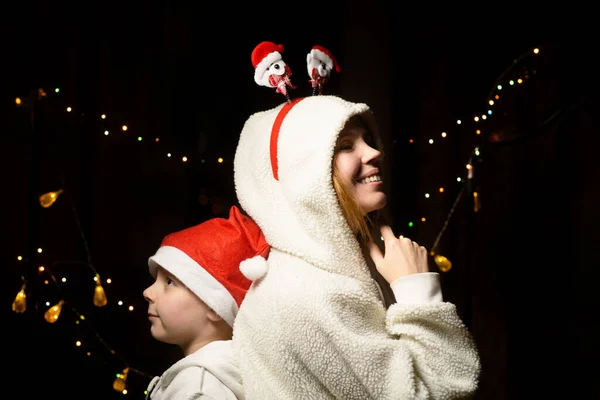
(47, 199)
(20, 304)
(121, 382)
(52, 314)
(476, 202)
(442, 262)
(99, 295)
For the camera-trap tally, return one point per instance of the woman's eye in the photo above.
(170, 281)
(344, 146)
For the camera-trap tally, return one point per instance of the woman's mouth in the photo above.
(371, 179)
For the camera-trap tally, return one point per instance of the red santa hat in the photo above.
(207, 257)
(324, 55)
(263, 55)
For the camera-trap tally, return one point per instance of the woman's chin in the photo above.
(378, 201)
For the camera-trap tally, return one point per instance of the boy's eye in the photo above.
(170, 281)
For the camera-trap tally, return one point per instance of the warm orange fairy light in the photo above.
(441, 190)
(124, 128)
(184, 159)
(41, 268)
(478, 131)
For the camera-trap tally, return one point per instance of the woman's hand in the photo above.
(402, 256)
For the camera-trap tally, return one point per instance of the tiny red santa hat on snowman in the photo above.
(324, 55)
(209, 259)
(263, 55)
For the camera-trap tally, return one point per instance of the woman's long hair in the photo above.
(359, 222)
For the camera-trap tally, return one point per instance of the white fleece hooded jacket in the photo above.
(313, 324)
(208, 374)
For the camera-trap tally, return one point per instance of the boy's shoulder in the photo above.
(195, 380)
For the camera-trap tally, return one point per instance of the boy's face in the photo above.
(177, 316)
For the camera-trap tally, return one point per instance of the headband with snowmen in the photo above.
(271, 71)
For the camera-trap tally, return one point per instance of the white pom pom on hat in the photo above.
(254, 268)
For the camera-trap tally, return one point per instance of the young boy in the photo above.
(193, 303)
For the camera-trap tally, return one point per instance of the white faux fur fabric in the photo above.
(314, 327)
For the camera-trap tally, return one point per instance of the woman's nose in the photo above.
(370, 154)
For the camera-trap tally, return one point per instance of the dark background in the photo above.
(525, 265)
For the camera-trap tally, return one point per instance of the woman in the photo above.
(314, 324)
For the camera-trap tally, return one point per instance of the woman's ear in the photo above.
(213, 316)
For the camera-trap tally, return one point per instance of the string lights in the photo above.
(107, 128)
(99, 298)
(515, 76)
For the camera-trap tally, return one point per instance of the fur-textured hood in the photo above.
(283, 181)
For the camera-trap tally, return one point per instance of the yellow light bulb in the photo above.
(99, 295)
(47, 199)
(120, 383)
(52, 314)
(442, 262)
(20, 303)
(476, 202)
